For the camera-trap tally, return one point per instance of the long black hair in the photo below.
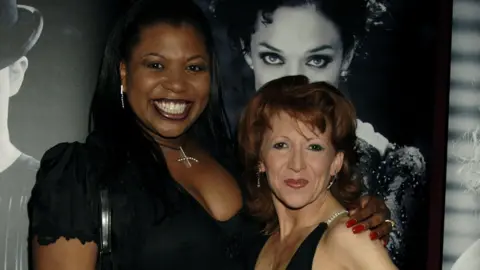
(119, 127)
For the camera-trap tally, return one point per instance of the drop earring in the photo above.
(121, 97)
(258, 179)
(258, 176)
(331, 182)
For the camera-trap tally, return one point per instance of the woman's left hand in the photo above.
(370, 213)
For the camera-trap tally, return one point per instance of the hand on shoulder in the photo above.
(356, 251)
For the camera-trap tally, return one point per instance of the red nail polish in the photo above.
(359, 228)
(351, 222)
(373, 235)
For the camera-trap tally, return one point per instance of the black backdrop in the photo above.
(392, 84)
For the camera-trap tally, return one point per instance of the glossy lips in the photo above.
(296, 183)
(173, 109)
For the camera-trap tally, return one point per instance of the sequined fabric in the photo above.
(398, 177)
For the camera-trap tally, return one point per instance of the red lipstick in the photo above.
(296, 183)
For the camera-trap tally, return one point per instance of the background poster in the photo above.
(44, 96)
(462, 198)
(52, 105)
(391, 81)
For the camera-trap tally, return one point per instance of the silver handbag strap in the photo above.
(106, 218)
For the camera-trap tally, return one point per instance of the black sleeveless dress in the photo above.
(303, 257)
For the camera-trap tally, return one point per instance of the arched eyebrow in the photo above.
(320, 48)
(193, 57)
(270, 47)
(314, 50)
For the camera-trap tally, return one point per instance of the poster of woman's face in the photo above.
(379, 53)
(461, 242)
(316, 51)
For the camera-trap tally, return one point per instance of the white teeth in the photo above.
(171, 107)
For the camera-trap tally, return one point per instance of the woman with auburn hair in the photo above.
(322, 39)
(297, 143)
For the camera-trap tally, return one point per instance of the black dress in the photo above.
(148, 232)
(302, 259)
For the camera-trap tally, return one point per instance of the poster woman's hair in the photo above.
(354, 18)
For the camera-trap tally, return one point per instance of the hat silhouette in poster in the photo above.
(20, 29)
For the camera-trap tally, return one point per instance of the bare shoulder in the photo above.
(357, 251)
(341, 236)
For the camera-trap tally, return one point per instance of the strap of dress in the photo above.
(105, 249)
(303, 257)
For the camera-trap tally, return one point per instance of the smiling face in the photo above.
(299, 41)
(299, 162)
(167, 78)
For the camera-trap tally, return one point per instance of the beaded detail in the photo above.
(336, 215)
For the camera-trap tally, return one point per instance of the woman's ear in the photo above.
(337, 163)
(123, 74)
(247, 55)
(348, 57)
(261, 167)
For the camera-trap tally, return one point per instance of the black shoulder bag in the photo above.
(105, 250)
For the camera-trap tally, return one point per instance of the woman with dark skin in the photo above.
(160, 145)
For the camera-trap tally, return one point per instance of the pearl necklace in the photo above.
(335, 215)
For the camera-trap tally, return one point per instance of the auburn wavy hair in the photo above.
(318, 105)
